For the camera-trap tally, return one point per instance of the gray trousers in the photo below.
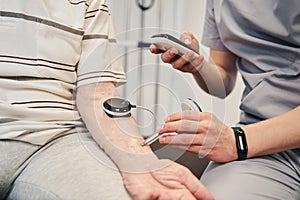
(71, 167)
(74, 167)
(271, 177)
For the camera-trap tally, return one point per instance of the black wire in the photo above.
(143, 7)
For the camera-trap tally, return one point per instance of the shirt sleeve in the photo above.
(100, 59)
(211, 37)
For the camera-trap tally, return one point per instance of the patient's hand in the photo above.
(172, 181)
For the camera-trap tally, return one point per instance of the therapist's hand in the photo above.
(201, 133)
(172, 181)
(185, 63)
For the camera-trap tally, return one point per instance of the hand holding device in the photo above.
(166, 41)
(119, 107)
(187, 104)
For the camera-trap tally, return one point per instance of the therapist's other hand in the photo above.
(201, 133)
(172, 181)
(185, 63)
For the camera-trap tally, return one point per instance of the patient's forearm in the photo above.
(119, 137)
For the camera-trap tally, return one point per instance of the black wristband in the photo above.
(241, 143)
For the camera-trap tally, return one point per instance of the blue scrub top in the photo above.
(265, 35)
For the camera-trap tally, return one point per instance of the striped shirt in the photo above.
(48, 48)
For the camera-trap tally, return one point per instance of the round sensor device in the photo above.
(190, 104)
(117, 107)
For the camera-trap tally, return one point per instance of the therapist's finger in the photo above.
(169, 55)
(189, 115)
(197, 64)
(186, 126)
(155, 50)
(190, 39)
(200, 150)
(189, 63)
(184, 62)
(183, 139)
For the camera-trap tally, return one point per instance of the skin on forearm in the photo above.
(217, 76)
(213, 80)
(119, 137)
(274, 135)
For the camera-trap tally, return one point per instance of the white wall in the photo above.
(150, 82)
